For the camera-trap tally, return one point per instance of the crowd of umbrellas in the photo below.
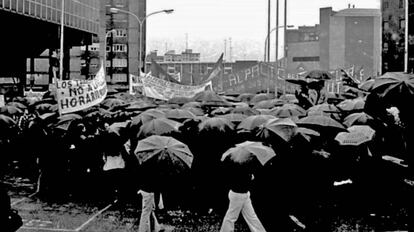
(301, 151)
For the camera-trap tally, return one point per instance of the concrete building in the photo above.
(393, 35)
(39, 23)
(350, 37)
(303, 48)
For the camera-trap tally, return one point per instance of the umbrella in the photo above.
(266, 111)
(289, 110)
(361, 118)
(234, 117)
(210, 98)
(194, 110)
(268, 104)
(118, 127)
(245, 97)
(112, 102)
(245, 110)
(394, 84)
(221, 111)
(179, 114)
(179, 100)
(254, 121)
(289, 98)
(320, 121)
(240, 104)
(66, 120)
(18, 105)
(244, 152)
(325, 109)
(10, 110)
(192, 104)
(140, 106)
(352, 104)
(148, 115)
(367, 85)
(319, 75)
(283, 127)
(158, 126)
(44, 108)
(6, 121)
(357, 135)
(164, 149)
(216, 123)
(260, 97)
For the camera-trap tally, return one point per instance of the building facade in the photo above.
(350, 37)
(39, 23)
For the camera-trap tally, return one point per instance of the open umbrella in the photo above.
(179, 100)
(360, 118)
(234, 117)
(367, 85)
(179, 114)
(307, 133)
(245, 110)
(196, 111)
(245, 152)
(355, 136)
(254, 121)
(18, 105)
(319, 75)
(268, 104)
(394, 84)
(6, 121)
(158, 126)
(192, 104)
(147, 115)
(66, 120)
(164, 149)
(210, 98)
(118, 127)
(289, 110)
(320, 122)
(260, 97)
(216, 123)
(10, 110)
(221, 111)
(352, 104)
(283, 127)
(325, 109)
(245, 97)
(112, 102)
(300, 82)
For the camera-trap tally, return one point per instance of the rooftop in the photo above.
(359, 12)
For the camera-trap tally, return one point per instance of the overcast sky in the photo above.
(242, 20)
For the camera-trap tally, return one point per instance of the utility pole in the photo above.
(268, 31)
(225, 49)
(230, 50)
(277, 47)
(186, 41)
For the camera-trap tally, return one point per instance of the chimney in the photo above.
(349, 5)
(353, 6)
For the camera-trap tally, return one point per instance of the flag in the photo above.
(218, 67)
(157, 71)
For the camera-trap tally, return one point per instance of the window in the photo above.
(306, 59)
(386, 26)
(385, 6)
(228, 70)
(402, 23)
(120, 33)
(119, 63)
(119, 47)
(401, 4)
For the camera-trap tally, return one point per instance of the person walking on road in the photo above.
(239, 195)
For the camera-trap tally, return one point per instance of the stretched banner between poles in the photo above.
(75, 95)
(157, 88)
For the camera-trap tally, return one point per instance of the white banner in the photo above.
(75, 95)
(164, 90)
(135, 84)
(2, 101)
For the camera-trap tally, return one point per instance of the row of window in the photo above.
(306, 59)
(83, 15)
(386, 4)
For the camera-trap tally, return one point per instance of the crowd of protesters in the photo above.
(85, 158)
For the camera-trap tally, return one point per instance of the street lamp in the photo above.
(141, 22)
(267, 38)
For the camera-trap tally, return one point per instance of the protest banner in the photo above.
(154, 87)
(75, 95)
(2, 101)
(135, 84)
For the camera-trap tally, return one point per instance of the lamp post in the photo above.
(267, 38)
(62, 25)
(141, 23)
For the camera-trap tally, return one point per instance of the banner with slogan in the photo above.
(135, 84)
(75, 95)
(154, 87)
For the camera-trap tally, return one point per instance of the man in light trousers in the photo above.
(148, 207)
(240, 202)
